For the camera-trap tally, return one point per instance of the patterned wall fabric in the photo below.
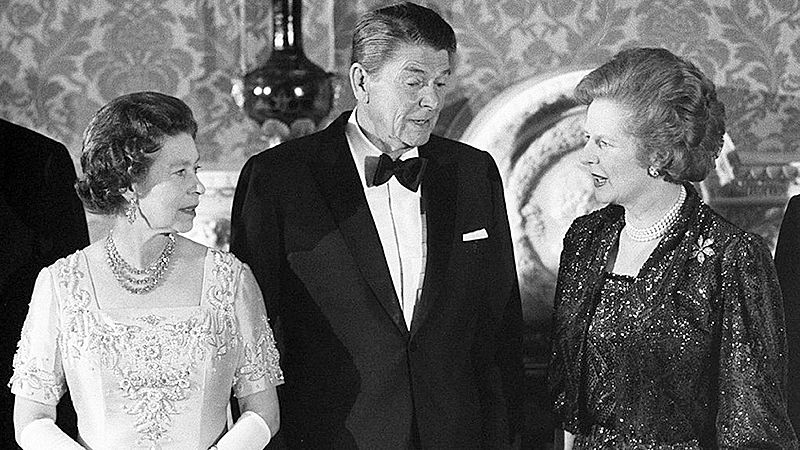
(749, 48)
(60, 60)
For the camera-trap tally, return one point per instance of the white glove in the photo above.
(249, 432)
(44, 434)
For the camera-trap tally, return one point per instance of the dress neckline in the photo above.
(619, 277)
(208, 262)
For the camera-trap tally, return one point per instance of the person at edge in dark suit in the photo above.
(787, 264)
(42, 220)
(386, 262)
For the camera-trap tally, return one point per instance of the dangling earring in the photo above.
(130, 210)
(653, 172)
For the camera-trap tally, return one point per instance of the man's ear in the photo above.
(358, 82)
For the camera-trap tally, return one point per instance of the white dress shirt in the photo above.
(397, 216)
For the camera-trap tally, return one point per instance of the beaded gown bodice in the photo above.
(146, 378)
(601, 342)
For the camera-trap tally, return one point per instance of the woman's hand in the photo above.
(26, 411)
(569, 439)
(259, 422)
(35, 428)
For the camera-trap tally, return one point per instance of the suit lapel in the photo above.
(439, 195)
(337, 178)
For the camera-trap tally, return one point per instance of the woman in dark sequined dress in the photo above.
(669, 329)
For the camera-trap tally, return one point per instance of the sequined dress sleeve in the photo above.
(752, 365)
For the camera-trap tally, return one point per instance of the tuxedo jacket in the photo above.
(42, 220)
(356, 377)
(787, 263)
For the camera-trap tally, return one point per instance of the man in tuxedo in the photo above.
(385, 260)
(41, 219)
(787, 264)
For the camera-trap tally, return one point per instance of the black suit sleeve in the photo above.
(787, 264)
(255, 235)
(239, 238)
(256, 240)
(44, 216)
(63, 220)
(16, 242)
(509, 331)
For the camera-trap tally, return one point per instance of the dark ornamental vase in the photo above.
(288, 87)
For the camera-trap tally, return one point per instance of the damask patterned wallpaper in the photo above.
(61, 59)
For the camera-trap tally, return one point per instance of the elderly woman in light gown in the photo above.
(148, 330)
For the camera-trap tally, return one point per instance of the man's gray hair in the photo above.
(379, 33)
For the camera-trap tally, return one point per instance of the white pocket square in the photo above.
(475, 235)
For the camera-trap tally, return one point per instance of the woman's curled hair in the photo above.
(674, 111)
(120, 142)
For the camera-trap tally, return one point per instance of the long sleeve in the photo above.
(752, 369)
(509, 334)
(38, 373)
(16, 242)
(574, 286)
(256, 238)
(63, 221)
(787, 265)
(557, 378)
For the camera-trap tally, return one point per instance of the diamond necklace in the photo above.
(138, 281)
(660, 227)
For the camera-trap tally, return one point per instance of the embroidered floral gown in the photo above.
(689, 354)
(139, 378)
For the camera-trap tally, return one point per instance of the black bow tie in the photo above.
(408, 172)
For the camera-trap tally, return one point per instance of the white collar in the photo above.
(361, 147)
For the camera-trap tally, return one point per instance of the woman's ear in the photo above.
(130, 194)
(358, 82)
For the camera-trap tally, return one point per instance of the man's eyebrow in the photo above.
(417, 70)
(413, 69)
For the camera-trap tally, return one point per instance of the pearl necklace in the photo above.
(660, 227)
(138, 281)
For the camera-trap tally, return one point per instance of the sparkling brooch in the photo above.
(702, 249)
